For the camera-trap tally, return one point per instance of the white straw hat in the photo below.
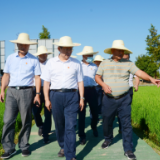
(73, 56)
(23, 38)
(98, 58)
(42, 50)
(87, 50)
(117, 44)
(66, 41)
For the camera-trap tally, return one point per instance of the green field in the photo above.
(146, 112)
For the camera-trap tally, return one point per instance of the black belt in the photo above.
(90, 87)
(117, 97)
(64, 90)
(21, 87)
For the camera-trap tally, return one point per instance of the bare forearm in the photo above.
(5, 81)
(46, 90)
(137, 81)
(38, 84)
(81, 89)
(143, 75)
(98, 79)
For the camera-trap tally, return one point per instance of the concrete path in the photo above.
(91, 151)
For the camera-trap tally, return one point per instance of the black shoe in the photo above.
(46, 141)
(8, 155)
(105, 144)
(82, 141)
(73, 159)
(61, 153)
(40, 131)
(95, 132)
(130, 155)
(26, 153)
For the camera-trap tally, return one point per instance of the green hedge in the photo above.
(146, 111)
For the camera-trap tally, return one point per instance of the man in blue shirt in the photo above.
(90, 93)
(20, 70)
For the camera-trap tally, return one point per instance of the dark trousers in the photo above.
(90, 95)
(65, 107)
(100, 97)
(121, 106)
(17, 101)
(38, 119)
(131, 94)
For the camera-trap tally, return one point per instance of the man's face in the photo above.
(126, 56)
(117, 53)
(23, 48)
(86, 56)
(43, 57)
(65, 51)
(97, 63)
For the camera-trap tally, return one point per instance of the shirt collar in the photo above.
(121, 60)
(26, 56)
(57, 59)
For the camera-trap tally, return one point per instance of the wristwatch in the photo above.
(82, 98)
(39, 93)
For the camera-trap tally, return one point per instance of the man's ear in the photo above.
(59, 48)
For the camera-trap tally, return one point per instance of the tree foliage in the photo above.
(150, 62)
(146, 64)
(44, 34)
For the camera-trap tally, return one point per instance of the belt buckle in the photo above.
(17, 88)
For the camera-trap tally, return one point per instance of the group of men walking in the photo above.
(65, 86)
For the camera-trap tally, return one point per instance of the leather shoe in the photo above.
(61, 153)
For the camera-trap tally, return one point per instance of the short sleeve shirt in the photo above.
(116, 74)
(22, 70)
(63, 75)
(89, 72)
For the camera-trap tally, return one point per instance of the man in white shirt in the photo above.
(90, 93)
(66, 77)
(44, 127)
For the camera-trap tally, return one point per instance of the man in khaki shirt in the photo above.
(115, 72)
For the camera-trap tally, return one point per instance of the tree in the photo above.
(153, 46)
(44, 34)
(146, 64)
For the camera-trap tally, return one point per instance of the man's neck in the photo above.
(62, 58)
(115, 59)
(41, 61)
(22, 55)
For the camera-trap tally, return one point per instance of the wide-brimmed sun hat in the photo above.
(23, 38)
(66, 41)
(73, 56)
(42, 50)
(98, 58)
(118, 44)
(87, 50)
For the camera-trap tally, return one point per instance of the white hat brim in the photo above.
(23, 42)
(87, 53)
(37, 54)
(126, 51)
(68, 45)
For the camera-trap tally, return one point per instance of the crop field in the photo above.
(146, 111)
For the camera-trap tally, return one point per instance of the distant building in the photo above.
(2, 56)
(43, 42)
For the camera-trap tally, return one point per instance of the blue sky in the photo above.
(89, 22)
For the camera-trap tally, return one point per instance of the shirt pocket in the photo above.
(27, 69)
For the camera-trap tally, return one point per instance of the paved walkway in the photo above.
(91, 151)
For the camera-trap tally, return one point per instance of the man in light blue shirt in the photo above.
(20, 70)
(90, 93)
